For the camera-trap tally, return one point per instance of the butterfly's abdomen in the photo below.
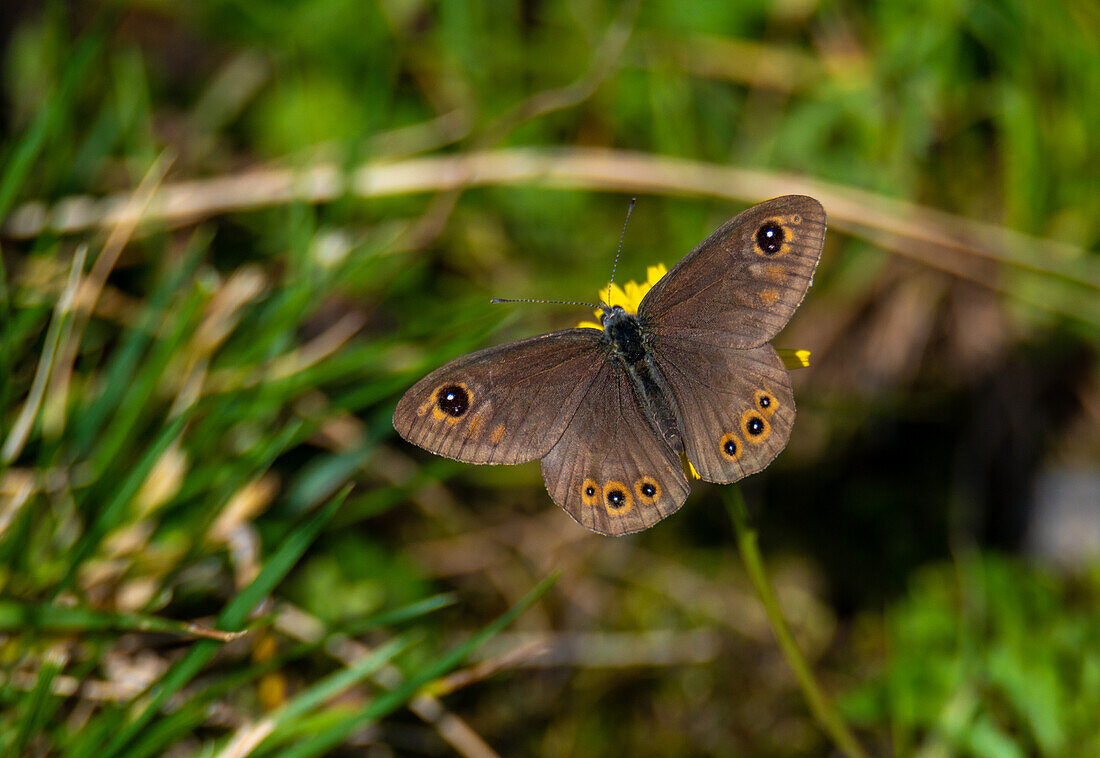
(645, 377)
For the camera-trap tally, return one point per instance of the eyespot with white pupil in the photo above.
(617, 498)
(755, 427)
(647, 489)
(770, 238)
(730, 446)
(590, 492)
(766, 402)
(453, 400)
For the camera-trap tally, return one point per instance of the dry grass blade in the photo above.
(299, 625)
(92, 287)
(517, 656)
(896, 224)
(648, 648)
(21, 429)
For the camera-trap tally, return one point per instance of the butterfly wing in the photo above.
(735, 407)
(741, 285)
(610, 471)
(504, 404)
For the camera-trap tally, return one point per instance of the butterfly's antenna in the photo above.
(602, 306)
(622, 236)
(529, 300)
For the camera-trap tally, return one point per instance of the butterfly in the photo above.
(611, 413)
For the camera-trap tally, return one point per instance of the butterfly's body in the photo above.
(611, 412)
(628, 339)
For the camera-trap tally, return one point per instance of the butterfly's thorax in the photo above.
(632, 345)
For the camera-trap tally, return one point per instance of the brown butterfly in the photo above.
(611, 412)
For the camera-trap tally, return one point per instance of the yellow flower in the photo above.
(629, 296)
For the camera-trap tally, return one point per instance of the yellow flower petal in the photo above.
(688, 467)
(616, 296)
(628, 296)
(793, 359)
(653, 274)
(634, 295)
(589, 325)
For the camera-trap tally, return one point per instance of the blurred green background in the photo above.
(235, 231)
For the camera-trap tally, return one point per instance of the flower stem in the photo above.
(819, 706)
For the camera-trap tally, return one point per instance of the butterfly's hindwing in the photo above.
(735, 407)
(505, 404)
(610, 470)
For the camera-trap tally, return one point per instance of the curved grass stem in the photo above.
(820, 707)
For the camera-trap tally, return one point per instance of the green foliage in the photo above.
(993, 661)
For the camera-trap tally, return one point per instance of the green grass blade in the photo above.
(281, 721)
(18, 616)
(110, 516)
(398, 696)
(231, 618)
(403, 614)
(119, 375)
(19, 163)
(110, 445)
(168, 729)
(816, 701)
(36, 703)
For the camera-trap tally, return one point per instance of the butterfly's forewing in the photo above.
(736, 406)
(610, 471)
(504, 404)
(741, 285)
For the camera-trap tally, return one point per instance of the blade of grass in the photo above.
(110, 445)
(249, 738)
(822, 710)
(253, 465)
(858, 211)
(17, 616)
(402, 614)
(120, 373)
(231, 618)
(92, 288)
(398, 696)
(318, 479)
(164, 731)
(51, 706)
(340, 681)
(62, 315)
(112, 514)
(302, 649)
(19, 163)
(36, 702)
(231, 681)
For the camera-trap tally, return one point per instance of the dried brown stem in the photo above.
(901, 226)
